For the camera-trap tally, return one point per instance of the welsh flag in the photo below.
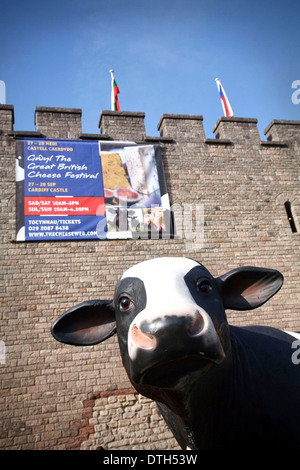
(114, 93)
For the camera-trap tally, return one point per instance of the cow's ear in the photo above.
(85, 324)
(249, 287)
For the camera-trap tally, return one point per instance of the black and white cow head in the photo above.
(169, 315)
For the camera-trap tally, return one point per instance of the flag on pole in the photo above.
(224, 100)
(114, 93)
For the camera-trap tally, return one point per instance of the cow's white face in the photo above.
(165, 304)
(169, 315)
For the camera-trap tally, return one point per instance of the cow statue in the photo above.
(217, 386)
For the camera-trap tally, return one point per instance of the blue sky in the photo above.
(166, 55)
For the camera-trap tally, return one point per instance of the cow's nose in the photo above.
(173, 326)
(183, 333)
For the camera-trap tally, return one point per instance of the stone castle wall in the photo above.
(55, 396)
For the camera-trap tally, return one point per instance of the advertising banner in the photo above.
(79, 189)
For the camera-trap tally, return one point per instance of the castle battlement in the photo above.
(65, 123)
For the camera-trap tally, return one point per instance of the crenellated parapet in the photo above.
(65, 123)
(7, 118)
(123, 125)
(181, 127)
(58, 123)
(283, 130)
(237, 129)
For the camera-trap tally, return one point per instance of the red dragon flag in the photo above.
(224, 100)
(114, 93)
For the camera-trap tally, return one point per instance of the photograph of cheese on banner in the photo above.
(132, 194)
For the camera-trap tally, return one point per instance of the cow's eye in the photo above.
(204, 286)
(124, 303)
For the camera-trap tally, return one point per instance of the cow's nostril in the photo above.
(195, 324)
(140, 339)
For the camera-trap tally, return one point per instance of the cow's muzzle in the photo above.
(173, 343)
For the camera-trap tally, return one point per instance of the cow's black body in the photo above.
(256, 405)
(217, 386)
